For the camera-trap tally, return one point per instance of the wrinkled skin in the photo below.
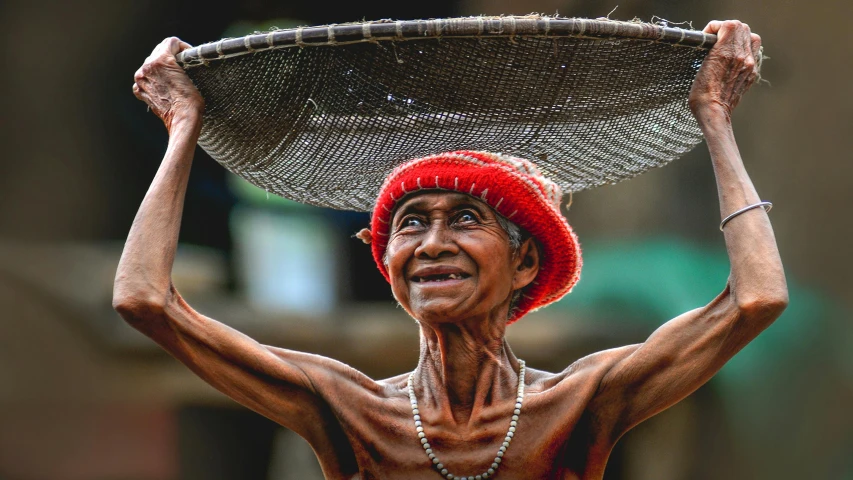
(465, 380)
(442, 232)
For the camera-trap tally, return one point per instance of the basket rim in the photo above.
(461, 27)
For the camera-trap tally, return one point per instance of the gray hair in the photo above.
(516, 235)
(513, 231)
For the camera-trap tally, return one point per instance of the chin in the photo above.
(437, 312)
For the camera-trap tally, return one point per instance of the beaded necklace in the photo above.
(501, 451)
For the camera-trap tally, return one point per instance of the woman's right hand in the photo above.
(165, 87)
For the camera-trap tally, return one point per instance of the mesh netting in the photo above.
(322, 115)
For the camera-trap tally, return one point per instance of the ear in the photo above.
(527, 264)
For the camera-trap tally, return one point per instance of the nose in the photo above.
(437, 242)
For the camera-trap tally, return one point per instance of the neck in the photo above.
(465, 367)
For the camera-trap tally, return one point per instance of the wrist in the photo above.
(185, 120)
(712, 115)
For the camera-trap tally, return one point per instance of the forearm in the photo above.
(757, 279)
(144, 271)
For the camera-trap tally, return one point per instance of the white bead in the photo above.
(503, 448)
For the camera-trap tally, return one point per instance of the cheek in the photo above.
(496, 276)
(396, 257)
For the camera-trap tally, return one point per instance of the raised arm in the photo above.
(687, 351)
(270, 381)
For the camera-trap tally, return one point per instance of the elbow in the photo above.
(765, 306)
(137, 306)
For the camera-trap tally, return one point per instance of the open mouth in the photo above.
(440, 277)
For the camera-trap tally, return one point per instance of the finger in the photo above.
(745, 41)
(161, 47)
(165, 48)
(713, 26)
(727, 34)
(176, 45)
(756, 46)
(138, 93)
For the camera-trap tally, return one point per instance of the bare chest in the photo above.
(549, 439)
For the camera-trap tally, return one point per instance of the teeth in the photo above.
(439, 278)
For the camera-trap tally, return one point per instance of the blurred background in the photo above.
(85, 397)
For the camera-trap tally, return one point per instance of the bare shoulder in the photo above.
(328, 376)
(569, 399)
(587, 370)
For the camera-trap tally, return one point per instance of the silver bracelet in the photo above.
(767, 206)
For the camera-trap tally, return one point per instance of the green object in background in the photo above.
(781, 394)
(651, 281)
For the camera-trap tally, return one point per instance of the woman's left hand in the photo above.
(729, 69)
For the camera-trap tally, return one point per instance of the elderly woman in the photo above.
(470, 242)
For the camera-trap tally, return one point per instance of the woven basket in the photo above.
(321, 115)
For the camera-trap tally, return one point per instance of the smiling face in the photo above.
(449, 259)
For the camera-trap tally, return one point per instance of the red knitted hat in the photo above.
(516, 189)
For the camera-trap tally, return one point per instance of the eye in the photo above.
(411, 222)
(466, 216)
